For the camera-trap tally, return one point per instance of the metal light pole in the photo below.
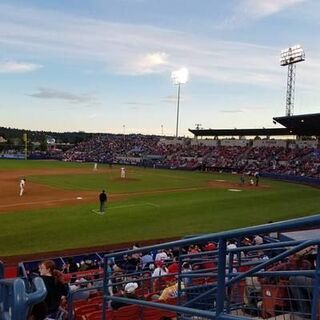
(124, 133)
(25, 139)
(289, 57)
(178, 105)
(179, 77)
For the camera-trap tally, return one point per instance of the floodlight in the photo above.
(289, 57)
(180, 76)
(292, 55)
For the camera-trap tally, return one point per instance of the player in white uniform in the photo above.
(95, 167)
(22, 186)
(122, 173)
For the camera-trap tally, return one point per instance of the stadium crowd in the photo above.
(154, 276)
(155, 151)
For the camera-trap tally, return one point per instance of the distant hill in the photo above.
(13, 134)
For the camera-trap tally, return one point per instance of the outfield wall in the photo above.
(286, 177)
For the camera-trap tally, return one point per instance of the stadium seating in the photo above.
(231, 291)
(276, 159)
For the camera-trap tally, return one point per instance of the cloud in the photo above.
(170, 99)
(137, 103)
(18, 67)
(262, 8)
(93, 116)
(47, 93)
(133, 49)
(246, 12)
(151, 62)
(232, 111)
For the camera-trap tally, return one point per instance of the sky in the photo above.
(105, 65)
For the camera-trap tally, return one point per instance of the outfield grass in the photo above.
(150, 216)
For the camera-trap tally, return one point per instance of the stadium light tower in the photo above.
(179, 77)
(289, 57)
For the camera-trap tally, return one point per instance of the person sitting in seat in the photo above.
(171, 291)
(129, 292)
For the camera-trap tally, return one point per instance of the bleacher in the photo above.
(276, 158)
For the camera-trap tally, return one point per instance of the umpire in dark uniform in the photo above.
(103, 201)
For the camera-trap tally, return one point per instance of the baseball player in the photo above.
(123, 173)
(22, 186)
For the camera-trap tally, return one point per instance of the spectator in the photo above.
(56, 290)
(129, 292)
(171, 291)
(160, 270)
(82, 294)
(161, 255)
(186, 268)
(70, 266)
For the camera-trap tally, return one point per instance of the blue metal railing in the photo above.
(14, 299)
(210, 300)
(1, 270)
(224, 280)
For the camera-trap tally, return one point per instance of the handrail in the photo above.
(297, 223)
(1, 270)
(224, 279)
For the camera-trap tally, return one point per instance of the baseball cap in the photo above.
(130, 287)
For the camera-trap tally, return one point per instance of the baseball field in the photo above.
(58, 209)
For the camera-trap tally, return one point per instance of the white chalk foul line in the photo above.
(152, 204)
(37, 202)
(96, 211)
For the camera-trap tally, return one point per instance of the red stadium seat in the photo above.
(83, 310)
(152, 314)
(167, 313)
(95, 300)
(79, 303)
(127, 313)
(274, 297)
(97, 315)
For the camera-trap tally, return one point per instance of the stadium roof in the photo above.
(241, 132)
(301, 125)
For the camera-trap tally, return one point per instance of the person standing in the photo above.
(103, 201)
(242, 180)
(57, 289)
(257, 178)
(122, 173)
(22, 186)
